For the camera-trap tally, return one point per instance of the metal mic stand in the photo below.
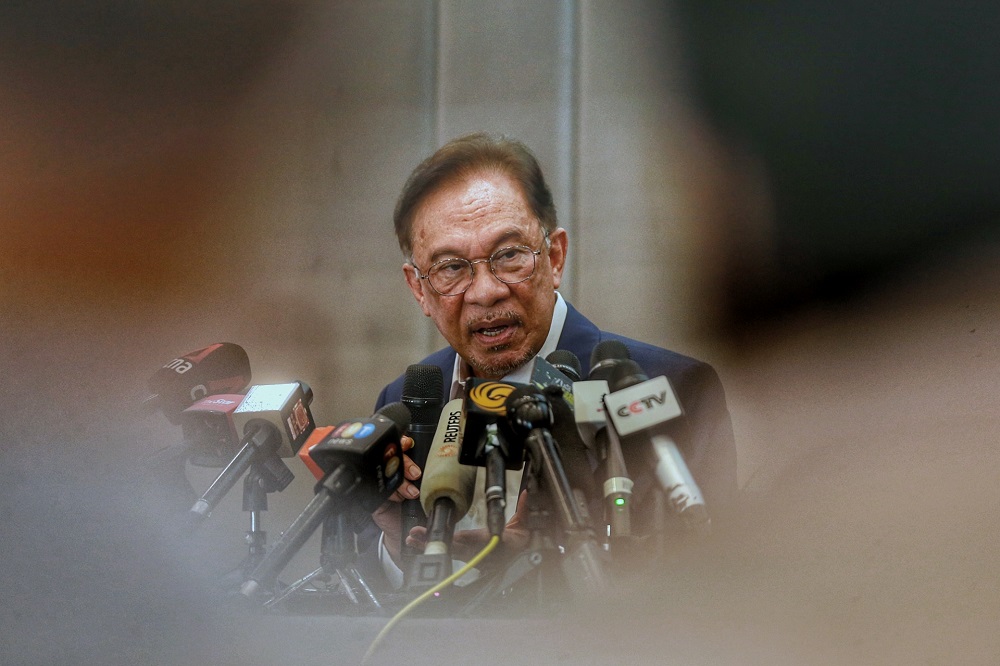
(258, 483)
(338, 556)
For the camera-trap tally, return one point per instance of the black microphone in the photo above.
(275, 421)
(423, 391)
(209, 439)
(567, 363)
(606, 357)
(530, 416)
(639, 408)
(209, 430)
(576, 456)
(364, 460)
(446, 495)
(484, 406)
(219, 368)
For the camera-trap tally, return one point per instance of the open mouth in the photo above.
(492, 331)
(496, 330)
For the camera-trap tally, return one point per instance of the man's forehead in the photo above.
(482, 208)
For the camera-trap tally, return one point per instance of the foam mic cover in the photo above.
(604, 357)
(485, 405)
(444, 475)
(219, 368)
(567, 363)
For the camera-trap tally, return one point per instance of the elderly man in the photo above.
(485, 258)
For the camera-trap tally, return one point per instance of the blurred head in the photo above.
(485, 257)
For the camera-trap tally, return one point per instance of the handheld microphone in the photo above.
(638, 408)
(423, 390)
(216, 369)
(605, 359)
(275, 421)
(446, 495)
(364, 463)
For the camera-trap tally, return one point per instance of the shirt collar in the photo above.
(523, 374)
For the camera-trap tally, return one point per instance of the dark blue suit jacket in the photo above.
(704, 433)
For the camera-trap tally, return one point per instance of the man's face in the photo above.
(495, 327)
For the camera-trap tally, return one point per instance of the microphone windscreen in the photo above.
(423, 392)
(567, 363)
(604, 356)
(624, 374)
(398, 413)
(223, 367)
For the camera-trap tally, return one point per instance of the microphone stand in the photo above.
(338, 555)
(582, 564)
(258, 483)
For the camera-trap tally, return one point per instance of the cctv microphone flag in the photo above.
(642, 406)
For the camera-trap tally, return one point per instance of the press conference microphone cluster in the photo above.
(362, 463)
(275, 420)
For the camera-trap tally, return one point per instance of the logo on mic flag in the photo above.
(491, 396)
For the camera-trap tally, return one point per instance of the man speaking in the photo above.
(484, 259)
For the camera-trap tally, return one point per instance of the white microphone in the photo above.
(446, 493)
(638, 408)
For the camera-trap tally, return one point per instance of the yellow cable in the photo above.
(493, 542)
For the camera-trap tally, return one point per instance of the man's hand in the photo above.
(466, 543)
(387, 515)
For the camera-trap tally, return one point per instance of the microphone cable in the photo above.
(487, 549)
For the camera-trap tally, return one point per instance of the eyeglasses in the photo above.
(510, 265)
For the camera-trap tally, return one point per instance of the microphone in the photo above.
(530, 416)
(567, 363)
(275, 421)
(576, 456)
(638, 408)
(606, 357)
(484, 406)
(423, 390)
(216, 369)
(446, 495)
(364, 463)
(209, 431)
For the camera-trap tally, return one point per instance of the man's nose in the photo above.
(486, 289)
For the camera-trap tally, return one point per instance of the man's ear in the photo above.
(416, 286)
(558, 242)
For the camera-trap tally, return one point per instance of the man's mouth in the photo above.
(492, 331)
(496, 330)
